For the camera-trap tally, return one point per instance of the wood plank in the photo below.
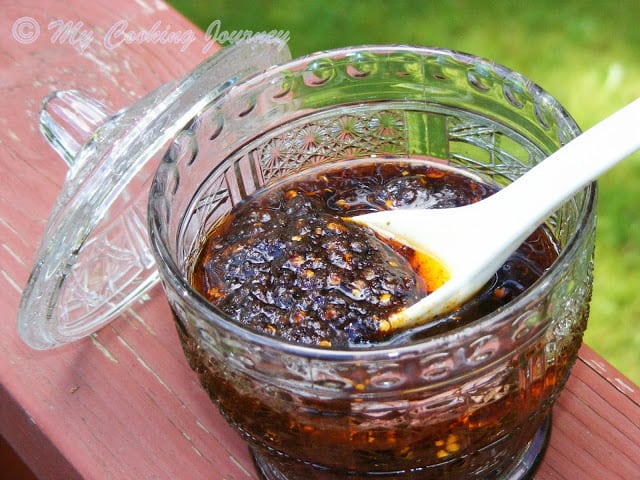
(124, 403)
(13, 467)
(596, 425)
(105, 393)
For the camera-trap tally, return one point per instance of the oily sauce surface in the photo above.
(287, 263)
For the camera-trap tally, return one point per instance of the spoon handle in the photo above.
(546, 186)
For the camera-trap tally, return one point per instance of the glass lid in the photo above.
(93, 260)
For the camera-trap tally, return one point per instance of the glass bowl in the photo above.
(474, 402)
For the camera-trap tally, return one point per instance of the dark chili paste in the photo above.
(287, 263)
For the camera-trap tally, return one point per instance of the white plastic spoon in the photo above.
(473, 241)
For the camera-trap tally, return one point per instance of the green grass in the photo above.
(586, 54)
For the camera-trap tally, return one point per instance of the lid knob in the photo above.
(68, 118)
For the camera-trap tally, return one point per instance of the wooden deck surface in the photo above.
(124, 404)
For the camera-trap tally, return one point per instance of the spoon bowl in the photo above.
(473, 241)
